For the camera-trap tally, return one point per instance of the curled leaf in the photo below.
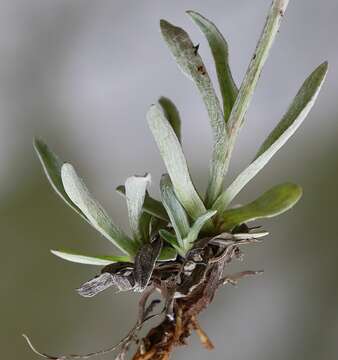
(272, 203)
(135, 193)
(150, 205)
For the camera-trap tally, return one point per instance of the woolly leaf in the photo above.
(219, 50)
(191, 64)
(175, 162)
(135, 193)
(254, 70)
(297, 112)
(81, 197)
(150, 205)
(272, 203)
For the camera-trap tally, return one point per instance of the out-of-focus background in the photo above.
(81, 75)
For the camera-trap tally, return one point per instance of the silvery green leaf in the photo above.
(272, 203)
(172, 240)
(178, 217)
(173, 157)
(150, 205)
(135, 193)
(145, 260)
(219, 49)
(252, 75)
(196, 228)
(191, 64)
(295, 115)
(80, 258)
(172, 115)
(81, 197)
(52, 167)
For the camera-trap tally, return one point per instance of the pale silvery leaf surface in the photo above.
(52, 167)
(150, 205)
(196, 228)
(273, 202)
(293, 118)
(220, 53)
(191, 64)
(77, 257)
(175, 210)
(81, 197)
(135, 193)
(175, 162)
(171, 113)
(252, 75)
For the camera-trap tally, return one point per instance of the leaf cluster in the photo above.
(182, 215)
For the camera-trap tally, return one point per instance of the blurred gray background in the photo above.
(81, 74)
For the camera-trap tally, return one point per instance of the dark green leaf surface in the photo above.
(272, 203)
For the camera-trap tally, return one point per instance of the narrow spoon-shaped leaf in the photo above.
(219, 50)
(52, 167)
(196, 228)
(150, 205)
(297, 112)
(191, 64)
(80, 196)
(175, 162)
(272, 203)
(135, 193)
(176, 212)
(252, 75)
(172, 115)
(77, 257)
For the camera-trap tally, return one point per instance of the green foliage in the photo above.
(181, 216)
